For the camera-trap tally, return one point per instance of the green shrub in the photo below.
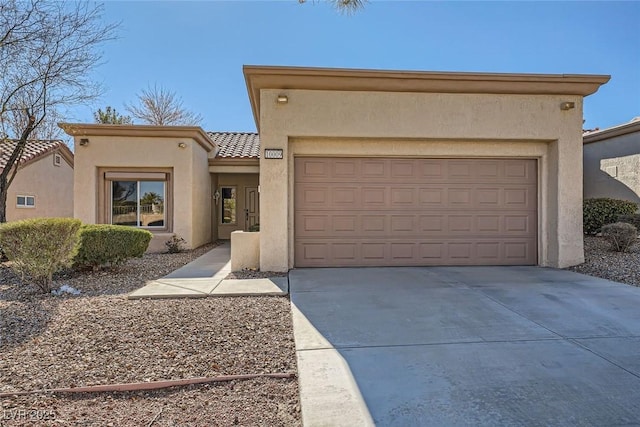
(254, 227)
(39, 247)
(620, 235)
(175, 244)
(598, 212)
(102, 245)
(633, 219)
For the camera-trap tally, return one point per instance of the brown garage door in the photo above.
(401, 212)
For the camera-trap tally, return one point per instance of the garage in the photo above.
(418, 168)
(371, 211)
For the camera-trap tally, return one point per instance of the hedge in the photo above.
(602, 211)
(107, 245)
(40, 247)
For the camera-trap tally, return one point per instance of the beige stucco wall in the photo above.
(328, 123)
(612, 168)
(51, 185)
(190, 182)
(245, 250)
(241, 181)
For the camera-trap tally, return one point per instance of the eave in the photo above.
(338, 79)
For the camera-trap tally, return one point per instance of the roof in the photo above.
(236, 145)
(340, 79)
(618, 130)
(33, 150)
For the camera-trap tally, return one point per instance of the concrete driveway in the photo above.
(466, 346)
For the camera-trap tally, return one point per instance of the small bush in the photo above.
(620, 235)
(254, 228)
(175, 244)
(598, 212)
(633, 219)
(40, 247)
(103, 244)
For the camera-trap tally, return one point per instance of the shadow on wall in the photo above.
(612, 168)
(612, 187)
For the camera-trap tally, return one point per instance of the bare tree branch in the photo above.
(159, 106)
(47, 50)
(345, 6)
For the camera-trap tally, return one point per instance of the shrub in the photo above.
(175, 244)
(598, 212)
(102, 245)
(40, 247)
(254, 227)
(633, 219)
(620, 235)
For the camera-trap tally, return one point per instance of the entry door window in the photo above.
(229, 199)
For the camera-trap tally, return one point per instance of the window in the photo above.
(228, 205)
(138, 203)
(26, 201)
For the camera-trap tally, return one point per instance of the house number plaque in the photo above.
(273, 153)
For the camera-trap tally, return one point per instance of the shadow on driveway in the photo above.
(465, 346)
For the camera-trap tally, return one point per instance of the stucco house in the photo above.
(612, 162)
(43, 185)
(359, 168)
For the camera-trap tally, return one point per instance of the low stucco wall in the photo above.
(333, 123)
(245, 250)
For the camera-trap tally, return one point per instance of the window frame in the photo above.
(106, 176)
(234, 188)
(138, 205)
(26, 204)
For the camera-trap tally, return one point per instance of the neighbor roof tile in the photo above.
(33, 149)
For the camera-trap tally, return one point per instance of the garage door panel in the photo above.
(365, 211)
(385, 224)
(322, 253)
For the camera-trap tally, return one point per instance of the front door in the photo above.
(251, 207)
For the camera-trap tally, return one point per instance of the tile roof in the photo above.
(33, 149)
(236, 145)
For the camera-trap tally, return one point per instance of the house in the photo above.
(612, 162)
(43, 185)
(360, 168)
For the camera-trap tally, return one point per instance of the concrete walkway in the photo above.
(205, 277)
(465, 346)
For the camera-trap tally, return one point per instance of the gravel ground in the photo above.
(601, 261)
(254, 274)
(100, 337)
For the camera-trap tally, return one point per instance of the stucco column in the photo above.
(569, 187)
(274, 221)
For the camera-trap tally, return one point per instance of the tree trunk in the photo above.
(3, 199)
(11, 168)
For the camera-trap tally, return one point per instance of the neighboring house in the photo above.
(611, 162)
(43, 185)
(360, 167)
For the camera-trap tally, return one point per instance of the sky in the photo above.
(197, 48)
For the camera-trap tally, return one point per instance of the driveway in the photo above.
(468, 346)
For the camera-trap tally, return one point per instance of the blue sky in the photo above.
(197, 49)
